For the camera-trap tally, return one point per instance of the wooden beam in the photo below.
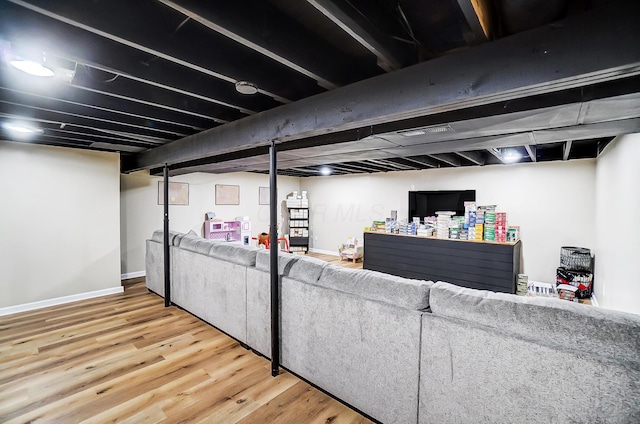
(478, 14)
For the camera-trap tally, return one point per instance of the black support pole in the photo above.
(167, 277)
(273, 253)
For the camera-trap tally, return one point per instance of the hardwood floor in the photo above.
(336, 260)
(125, 358)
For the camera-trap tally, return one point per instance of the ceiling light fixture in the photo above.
(246, 87)
(21, 129)
(32, 68)
(511, 155)
(325, 170)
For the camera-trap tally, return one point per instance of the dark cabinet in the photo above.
(474, 264)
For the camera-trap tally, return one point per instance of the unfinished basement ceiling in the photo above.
(358, 85)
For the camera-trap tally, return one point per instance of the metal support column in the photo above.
(273, 268)
(167, 277)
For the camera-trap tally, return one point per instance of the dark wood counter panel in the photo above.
(474, 264)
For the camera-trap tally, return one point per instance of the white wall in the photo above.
(617, 282)
(141, 215)
(60, 223)
(553, 203)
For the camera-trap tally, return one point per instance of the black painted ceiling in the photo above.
(132, 76)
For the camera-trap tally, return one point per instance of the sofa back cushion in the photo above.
(402, 292)
(197, 244)
(547, 320)
(298, 267)
(234, 252)
(174, 237)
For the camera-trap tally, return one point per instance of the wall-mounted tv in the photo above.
(427, 203)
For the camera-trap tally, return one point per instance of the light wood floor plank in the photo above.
(125, 358)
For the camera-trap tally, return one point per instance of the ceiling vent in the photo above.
(435, 129)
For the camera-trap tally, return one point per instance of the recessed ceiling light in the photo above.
(246, 87)
(511, 155)
(325, 170)
(32, 68)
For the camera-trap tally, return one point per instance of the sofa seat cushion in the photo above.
(402, 292)
(580, 327)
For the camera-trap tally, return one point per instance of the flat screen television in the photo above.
(427, 203)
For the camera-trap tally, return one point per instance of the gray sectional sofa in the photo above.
(408, 351)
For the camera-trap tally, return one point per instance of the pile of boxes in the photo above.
(442, 224)
(574, 277)
(480, 223)
(484, 223)
(296, 200)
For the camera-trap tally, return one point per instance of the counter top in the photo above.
(506, 243)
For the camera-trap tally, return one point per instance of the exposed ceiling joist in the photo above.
(478, 17)
(304, 170)
(159, 47)
(357, 167)
(428, 88)
(72, 109)
(412, 164)
(566, 149)
(361, 30)
(602, 145)
(495, 152)
(140, 99)
(531, 151)
(475, 157)
(87, 120)
(392, 166)
(424, 161)
(232, 20)
(345, 170)
(449, 159)
(400, 162)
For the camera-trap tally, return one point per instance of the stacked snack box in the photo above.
(567, 292)
(469, 220)
(442, 224)
(489, 232)
(501, 226)
(489, 223)
(479, 233)
(378, 226)
(513, 233)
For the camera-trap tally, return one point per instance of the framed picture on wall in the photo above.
(227, 194)
(178, 193)
(264, 195)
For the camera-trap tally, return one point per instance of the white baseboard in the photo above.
(135, 274)
(325, 252)
(58, 301)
